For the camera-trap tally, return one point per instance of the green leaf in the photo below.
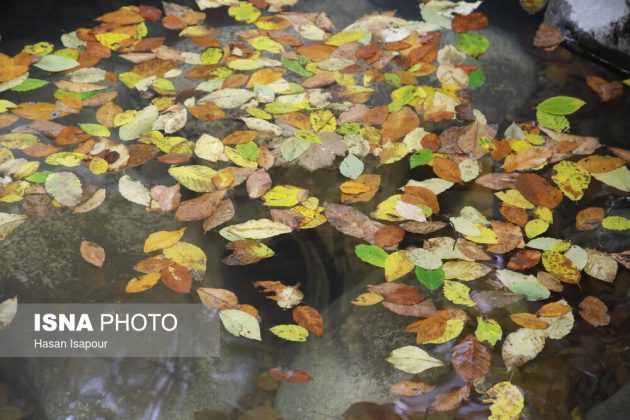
(472, 44)
(431, 279)
(393, 79)
(476, 79)
(616, 223)
(29, 84)
(95, 130)
(296, 66)
(488, 331)
(211, 55)
(248, 150)
(60, 94)
(560, 105)
(421, 157)
(39, 177)
(557, 123)
(55, 63)
(371, 254)
(240, 323)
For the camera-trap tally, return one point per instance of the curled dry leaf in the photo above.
(93, 253)
(594, 311)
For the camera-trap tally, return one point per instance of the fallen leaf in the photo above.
(93, 253)
(594, 311)
(309, 318)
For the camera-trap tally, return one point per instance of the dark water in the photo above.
(40, 261)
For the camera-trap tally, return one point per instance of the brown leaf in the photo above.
(401, 294)
(372, 182)
(524, 259)
(594, 311)
(351, 221)
(471, 359)
(554, 309)
(549, 281)
(177, 278)
(530, 321)
(289, 375)
(258, 183)
(240, 137)
(316, 52)
(152, 265)
(224, 212)
(622, 153)
(310, 319)
(429, 329)
(207, 112)
(410, 388)
(498, 180)
(514, 215)
(470, 22)
(93, 253)
(217, 298)
(538, 191)
(447, 169)
(106, 113)
(622, 258)
(509, 237)
(165, 198)
(421, 195)
(606, 90)
(423, 227)
(471, 250)
(547, 37)
(527, 159)
(199, 208)
(589, 218)
(388, 236)
(418, 310)
(597, 164)
(399, 123)
(139, 154)
(451, 400)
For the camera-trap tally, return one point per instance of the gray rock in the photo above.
(615, 407)
(599, 28)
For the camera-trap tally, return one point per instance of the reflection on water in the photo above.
(41, 263)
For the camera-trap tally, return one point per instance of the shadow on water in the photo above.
(41, 263)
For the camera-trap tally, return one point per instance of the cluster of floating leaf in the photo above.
(304, 95)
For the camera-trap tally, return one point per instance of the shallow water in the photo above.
(41, 262)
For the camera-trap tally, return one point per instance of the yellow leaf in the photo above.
(507, 401)
(393, 152)
(238, 159)
(290, 332)
(41, 48)
(487, 236)
(536, 227)
(616, 223)
(397, 265)
(111, 39)
(284, 196)
(367, 299)
(458, 293)
(342, 38)
(163, 239)
(386, 209)
(68, 159)
(561, 267)
(544, 213)
(264, 43)
(194, 177)
(98, 165)
(323, 120)
(514, 198)
(142, 283)
(571, 178)
(187, 255)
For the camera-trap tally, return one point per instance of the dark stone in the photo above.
(598, 29)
